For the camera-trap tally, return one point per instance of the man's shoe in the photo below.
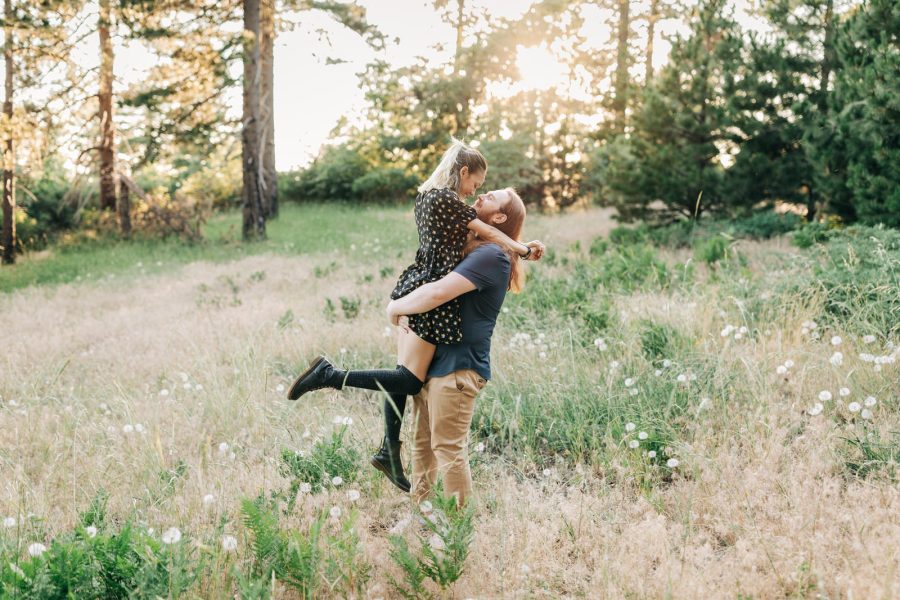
(315, 377)
(387, 460)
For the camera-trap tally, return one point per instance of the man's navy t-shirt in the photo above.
(487, 267)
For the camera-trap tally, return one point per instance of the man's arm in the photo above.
(430, 295)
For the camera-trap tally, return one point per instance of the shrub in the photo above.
(385, 185)
(330, 177)
(43, 210)
(328, 458)
(712, 250)
(813, 233)
(767, 224)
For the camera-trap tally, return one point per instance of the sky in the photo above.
(312, 95)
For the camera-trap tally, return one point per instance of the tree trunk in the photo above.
(254, 226)
(651, 31)
(462, 114)
(621, 84)
(267, 53)
(124, 207)
(107, 140)
(9, 181)
(827, 56)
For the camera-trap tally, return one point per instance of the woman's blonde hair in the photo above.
(514, 209)
(446, 175)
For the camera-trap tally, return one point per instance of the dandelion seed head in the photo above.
(172, 535)
(127, 428)
(866, 414)
(352, 495)
(633, 392)
(163, 392)
(836, 359)
(91, 531)
(479, 447)
(223, 447)
(630, 426)
(629, 382)
(642, 435)
(868, 339)
(824, 395)
(651, 453)
(337, 480)
(781, 370)
(279, 388)
(208, 499)
(335, 512)
(870, 401)
(305, 487)
(36, 549)
(789, 363)
(657, 372)
(9, 522)
(547, 472)
(738, 336)
(844, 392)
(666, 363)
(672, 463)
(139, 428)
(816, 409)
(836, 340)
(681, 378)
(229, 543)
(853, 407)
(633, 444)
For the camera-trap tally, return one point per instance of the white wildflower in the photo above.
(853, 407)
(844, 392)
(36, 549)
(868, 339)
(279, 388)
(163, 392)
(229, 543)
(127, 428)
(172, 535)
(667, 363)
(816, 409)
(337, 480)
(681, 378)
(837, 359)
(629, 382)
(633, 392)
(672, 463)
(781, 370)
(870, 401)
(704, 403)
(208, 499)
(836, 340)
(199, 387)
(600, 343)
(335, 512)
(743, 329)
(91, 531)
(614, 365)
(479, 447)
(657, 372)
(642, 435)
(305, 487)
(633, 444)
(789, 363)
(824, 395)
(866, 414)
(139, 428)
(738, 336)
(185, 377)
(866, 357)
(343, 351)
(9, 522)
(352, 495)
(651, 453)
(547, 472)
(223, 447)
(630, 426)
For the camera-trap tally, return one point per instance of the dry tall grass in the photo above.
(761, 506)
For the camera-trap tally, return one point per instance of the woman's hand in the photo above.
(537, 249)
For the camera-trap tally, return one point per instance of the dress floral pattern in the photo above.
(442, 220)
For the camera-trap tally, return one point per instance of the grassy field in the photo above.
(715, 421)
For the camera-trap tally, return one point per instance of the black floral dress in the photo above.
(442, 220)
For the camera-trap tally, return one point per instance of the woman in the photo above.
(443, 221)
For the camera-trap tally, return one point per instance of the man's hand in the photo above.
(537, 249)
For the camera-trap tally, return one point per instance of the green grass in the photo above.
(309, 229)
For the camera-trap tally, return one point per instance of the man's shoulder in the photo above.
(489, 252)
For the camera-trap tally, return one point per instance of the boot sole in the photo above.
(292, 393)
(387, 473)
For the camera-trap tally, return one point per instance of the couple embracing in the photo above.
(446, 305)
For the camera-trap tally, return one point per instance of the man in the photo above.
(443, 409)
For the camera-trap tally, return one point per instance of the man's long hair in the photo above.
(514, 210)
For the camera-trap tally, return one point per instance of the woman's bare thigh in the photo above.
(414, 353)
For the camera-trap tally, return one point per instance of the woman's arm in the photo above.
(492, 234)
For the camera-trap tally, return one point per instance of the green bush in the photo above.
(712, 250)
(385, 185)
(766, 224)
(330, 177)
(326, 459)
(44, 211)
(813, 233)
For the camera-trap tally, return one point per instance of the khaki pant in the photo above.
(442, 414)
